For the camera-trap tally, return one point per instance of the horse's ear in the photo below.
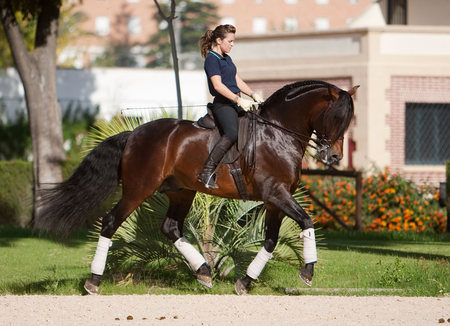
(333, 92)
(353, 90)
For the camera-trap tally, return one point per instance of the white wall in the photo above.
(115, 89)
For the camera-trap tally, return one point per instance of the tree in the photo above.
(27, 27)
(193, 19)
(37, 71)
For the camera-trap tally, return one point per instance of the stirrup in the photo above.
(210, 182)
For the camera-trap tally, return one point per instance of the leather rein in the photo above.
(321, 144)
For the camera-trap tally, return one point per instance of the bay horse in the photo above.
(166, 155)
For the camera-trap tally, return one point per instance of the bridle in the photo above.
(321, 143)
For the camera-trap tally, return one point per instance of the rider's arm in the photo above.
(243, 86)
(223, 90)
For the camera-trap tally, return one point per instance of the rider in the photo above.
(226, 86)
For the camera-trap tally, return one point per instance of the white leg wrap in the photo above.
(309, 246)
(257, 265)
(99, 262)
(194, 258)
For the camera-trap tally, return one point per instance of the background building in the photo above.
(397, 50)
(131, 22)
(403, 105)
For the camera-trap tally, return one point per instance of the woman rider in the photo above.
(226, 86)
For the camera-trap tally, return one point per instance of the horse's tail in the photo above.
(66, 206)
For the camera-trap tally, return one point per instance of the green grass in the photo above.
(349, 264)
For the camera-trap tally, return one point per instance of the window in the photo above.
(353, 2)
(427, 133)
(322, 23)
(322, 2)
(290, 2)
(259, 25)
(133, 1)
(228, 20)
(259, 1)
(397, 12)
(102, 25)
(227, 1)
(134, 25)
(290, 24)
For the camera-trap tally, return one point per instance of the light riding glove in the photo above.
(258, 98)
(245, 104)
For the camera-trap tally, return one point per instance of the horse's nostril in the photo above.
(336, 158)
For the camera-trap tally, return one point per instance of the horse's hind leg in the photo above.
(110, 223)
(273, 222)
(172, 227)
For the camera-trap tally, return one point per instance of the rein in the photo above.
(321, 145)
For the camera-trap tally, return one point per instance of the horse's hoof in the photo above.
(240, 288)
(204, 276)
(305, 275)
(90, 287)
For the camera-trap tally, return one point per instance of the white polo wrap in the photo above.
(194, 258)
(257, 265)
(101, 253)
(309, 246)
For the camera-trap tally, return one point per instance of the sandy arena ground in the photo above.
(223, 310)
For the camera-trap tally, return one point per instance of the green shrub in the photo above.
(16, 180)
(16, 190)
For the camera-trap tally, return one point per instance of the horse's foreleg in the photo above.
(172, 227)
(110, 223)
(286, 202)
(273, 221)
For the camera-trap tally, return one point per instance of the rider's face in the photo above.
(227, 43)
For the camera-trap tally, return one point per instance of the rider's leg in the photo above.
(227, 118)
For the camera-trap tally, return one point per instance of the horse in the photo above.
(159, 156)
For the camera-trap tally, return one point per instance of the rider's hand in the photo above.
(245, 104)
(258, 98)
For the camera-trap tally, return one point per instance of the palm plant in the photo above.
(227, 232)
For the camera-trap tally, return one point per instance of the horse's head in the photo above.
(313, 106)
(331, 122)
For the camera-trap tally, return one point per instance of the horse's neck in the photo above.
(284, 137)
(296, 121)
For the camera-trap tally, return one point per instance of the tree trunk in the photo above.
(37, 70)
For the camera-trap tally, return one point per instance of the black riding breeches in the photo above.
(226, 117)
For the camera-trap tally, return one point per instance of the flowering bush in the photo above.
(390, 203)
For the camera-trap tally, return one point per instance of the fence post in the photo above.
(447, 170)
(358, 201)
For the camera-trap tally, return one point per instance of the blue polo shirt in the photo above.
(215, 64)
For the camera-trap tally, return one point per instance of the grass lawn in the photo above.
(349, 264)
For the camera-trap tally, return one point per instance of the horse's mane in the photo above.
(293, 90)
(336, 118)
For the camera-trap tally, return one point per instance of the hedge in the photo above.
(16, 184)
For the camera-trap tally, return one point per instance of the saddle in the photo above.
(244, 147)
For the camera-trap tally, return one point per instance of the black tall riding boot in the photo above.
(214, 158)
